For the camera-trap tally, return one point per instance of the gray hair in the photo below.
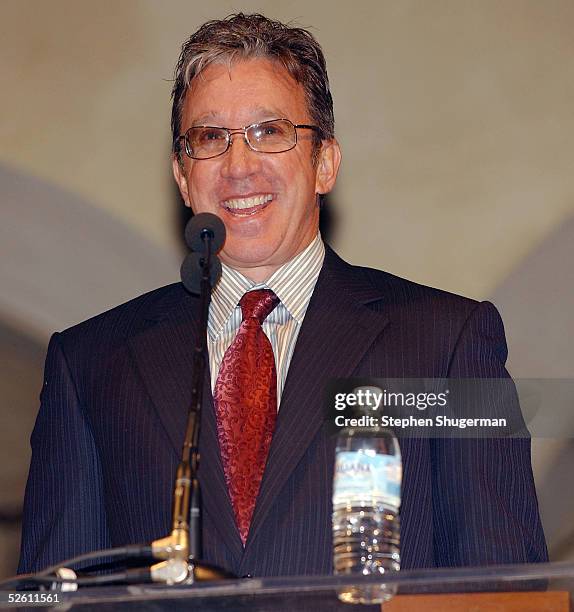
(251, 36)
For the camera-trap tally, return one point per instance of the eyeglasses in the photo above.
(275, 136)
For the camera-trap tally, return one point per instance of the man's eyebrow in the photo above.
(206, 117)
(259, 113)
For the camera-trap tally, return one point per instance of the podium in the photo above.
(545, 587)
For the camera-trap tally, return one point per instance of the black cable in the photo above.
(125, 551)
(44, 576)
(29, 579)
(130, 576)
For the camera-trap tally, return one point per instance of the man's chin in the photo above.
(242, 263)
(250, 259)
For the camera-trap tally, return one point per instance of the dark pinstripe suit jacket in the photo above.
(114, 407)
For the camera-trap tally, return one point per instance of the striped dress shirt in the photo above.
(293, 283)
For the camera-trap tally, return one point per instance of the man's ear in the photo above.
(328, 162)
(180, 179)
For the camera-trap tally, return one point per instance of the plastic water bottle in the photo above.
(366, 501)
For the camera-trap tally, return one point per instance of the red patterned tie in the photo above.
(246, 406)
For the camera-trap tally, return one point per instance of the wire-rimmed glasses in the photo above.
(274, 136)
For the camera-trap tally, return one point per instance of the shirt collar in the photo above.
(293, 283)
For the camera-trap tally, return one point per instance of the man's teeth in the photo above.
(248, 202)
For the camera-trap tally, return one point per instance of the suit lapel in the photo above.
(337, 331)
(162, 350)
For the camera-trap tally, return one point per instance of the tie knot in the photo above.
(258, 304)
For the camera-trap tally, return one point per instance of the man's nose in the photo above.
(240, 160)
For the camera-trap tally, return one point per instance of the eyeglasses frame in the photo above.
(231, 131)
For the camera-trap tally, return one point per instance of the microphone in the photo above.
(192, 269)
(204, 225)
(204, 229)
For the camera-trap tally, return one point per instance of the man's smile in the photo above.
(247, 205)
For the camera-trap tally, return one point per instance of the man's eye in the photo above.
(271, 130)
(211, 135)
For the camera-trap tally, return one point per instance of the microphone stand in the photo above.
(180, 551)
(182, 548)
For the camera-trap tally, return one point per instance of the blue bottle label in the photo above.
(367, 478)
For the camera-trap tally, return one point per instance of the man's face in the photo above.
(268, 201)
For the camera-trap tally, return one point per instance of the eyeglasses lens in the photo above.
(272, 136)
(205, 142)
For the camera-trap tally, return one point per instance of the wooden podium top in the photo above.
(551, 601)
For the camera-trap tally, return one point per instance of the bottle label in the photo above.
(365, 478)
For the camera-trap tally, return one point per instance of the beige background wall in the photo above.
(457, 128)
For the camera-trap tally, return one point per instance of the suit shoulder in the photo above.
(428, 308)
(118, 321)
(404, 299)
(428, 311)
(396, 288)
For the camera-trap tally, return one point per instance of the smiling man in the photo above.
(253, 135)
(263, 179)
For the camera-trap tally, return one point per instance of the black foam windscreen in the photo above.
(191, 272)
(201, 224)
